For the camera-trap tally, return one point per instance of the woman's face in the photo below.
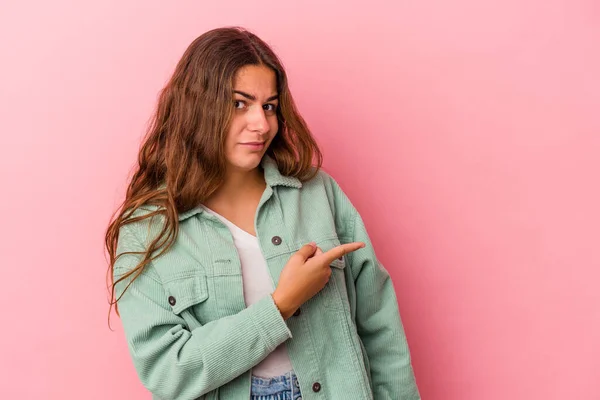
(254, 122)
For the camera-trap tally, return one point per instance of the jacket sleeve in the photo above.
(379, 325)
(174, 362)
(377, 315)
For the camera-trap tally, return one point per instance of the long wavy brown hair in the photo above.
(181, 161)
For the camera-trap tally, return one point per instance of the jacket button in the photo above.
(276, 240)
(316, 387)
(172, 300)
(298, 312)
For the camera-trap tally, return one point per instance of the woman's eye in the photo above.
(238, 104)
(269, 107)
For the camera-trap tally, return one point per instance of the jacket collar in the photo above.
(272, 176)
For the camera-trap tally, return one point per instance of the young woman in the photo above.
(240, 269)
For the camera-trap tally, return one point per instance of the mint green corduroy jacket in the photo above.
(191, 336)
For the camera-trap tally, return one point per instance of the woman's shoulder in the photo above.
(321, 178)
(325, 180)
(143, 223)
(323, 186)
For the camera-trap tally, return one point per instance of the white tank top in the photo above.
(257, 283)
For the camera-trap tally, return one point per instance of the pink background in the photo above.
(466, 132)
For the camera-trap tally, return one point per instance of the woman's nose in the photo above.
(257, 120)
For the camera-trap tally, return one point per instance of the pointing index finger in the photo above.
(342, 250)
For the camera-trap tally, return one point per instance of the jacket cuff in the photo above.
(270, 323)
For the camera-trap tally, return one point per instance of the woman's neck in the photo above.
(238, 188)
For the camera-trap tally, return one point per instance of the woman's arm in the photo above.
(174, 362)
(377, 316)
(379, 325)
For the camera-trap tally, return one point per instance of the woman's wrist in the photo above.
(282, 305)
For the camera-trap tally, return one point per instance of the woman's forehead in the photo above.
(257, 80)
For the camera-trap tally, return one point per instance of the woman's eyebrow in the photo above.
(253, 98)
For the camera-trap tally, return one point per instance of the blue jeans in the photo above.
(284, 387)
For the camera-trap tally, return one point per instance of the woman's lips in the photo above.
(254, 145)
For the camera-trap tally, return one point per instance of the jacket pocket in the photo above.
(334, 294)
(184, 294)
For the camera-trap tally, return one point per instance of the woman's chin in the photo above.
(248, 163)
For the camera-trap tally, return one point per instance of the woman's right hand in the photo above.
(305, 274)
